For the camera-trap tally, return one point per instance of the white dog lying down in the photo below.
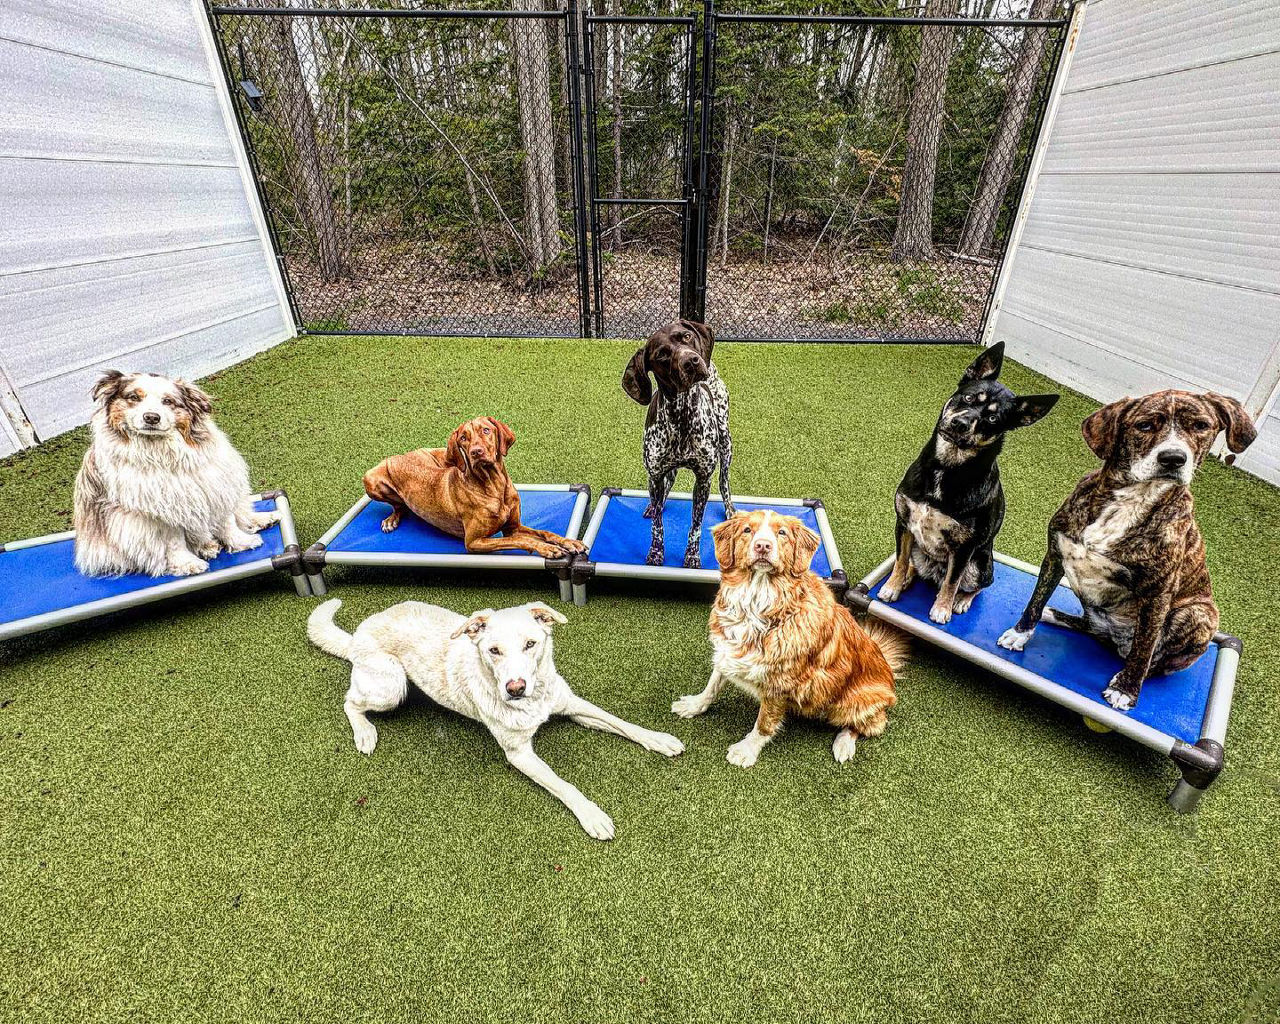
(495, 667)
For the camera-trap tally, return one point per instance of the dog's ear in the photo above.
(474, 626)
(453, 454)
(506, 436)
(1029, 408)
(725, 536)
(545, 615)
(108, 386)
(1102, 428)
(635, 379)
(706, 339)
(1235, 420)
(196, 400)
(807, 544)
(986, 366)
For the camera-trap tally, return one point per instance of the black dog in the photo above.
(950, 504)
(687, 425)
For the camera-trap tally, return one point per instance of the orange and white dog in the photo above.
(779, 634)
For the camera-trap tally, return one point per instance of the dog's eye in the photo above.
(495, 650)
(487, 430)
(968, 399)
(133, 399)
(1201, 425)
(782, 532)
(991, 417)
(746, 529)
(169, 402)
(530, 645)
(1146, 426)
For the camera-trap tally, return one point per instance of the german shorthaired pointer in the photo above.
(687, 425)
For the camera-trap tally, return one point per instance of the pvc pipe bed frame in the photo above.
(585, 568)
(288, 558)
(320, 555)
(1199, 760)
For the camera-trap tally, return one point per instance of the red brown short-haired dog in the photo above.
(464, 490)
(779, 635)
(1127, 538)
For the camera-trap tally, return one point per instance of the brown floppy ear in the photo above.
(706, 339)
(1102, 428)
(635, 379)
(1235, 420)
(196, 399)
(807, 544)
(545, 615)
(108, 386)
(724, 534)
(506, 436)
(453, 453)
(474, 626)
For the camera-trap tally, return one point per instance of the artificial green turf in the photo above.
(189, 834)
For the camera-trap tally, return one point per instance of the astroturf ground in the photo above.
(187, 832)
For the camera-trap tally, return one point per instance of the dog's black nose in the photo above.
(516, 688)
(1172, 459)
(151, 419)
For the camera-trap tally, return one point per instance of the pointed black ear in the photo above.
(1030, 408)
(987, 365)
(635, 379)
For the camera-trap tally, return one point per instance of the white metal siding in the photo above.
(1150, 256)
(132, 237)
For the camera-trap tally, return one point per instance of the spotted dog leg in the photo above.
(726, 457)
(659, 484)
(669, 482)
(701, 490)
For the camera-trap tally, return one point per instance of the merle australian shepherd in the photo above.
(950, 504)
(161, 490)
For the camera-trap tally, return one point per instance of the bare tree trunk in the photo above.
(533, 91)
(768, 201)
(725, 189)
(300, 118)
(997, 171)
(913, 236)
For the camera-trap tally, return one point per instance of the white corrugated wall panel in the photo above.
(1263, 456)
(132, 233)
(1150, 255)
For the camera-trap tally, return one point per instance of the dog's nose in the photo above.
(476, 452)
(516, 687)
(151, 419)
(763, 547)
(1172, 459)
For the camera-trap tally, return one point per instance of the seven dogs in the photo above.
(465, 491)
(779, 635)
(950, 504)
(1127, 538)
(161, 490)
(687, 425)
(495, 667)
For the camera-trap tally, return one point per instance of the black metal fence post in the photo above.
(572, 26)
(706, 101)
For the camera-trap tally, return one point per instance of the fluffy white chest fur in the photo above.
(737, 652)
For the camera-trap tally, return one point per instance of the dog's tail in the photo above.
(893, 643)
(324, 634)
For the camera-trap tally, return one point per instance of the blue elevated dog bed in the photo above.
(1182, 715)
(618, 538)
(40, 586)
(357, 538)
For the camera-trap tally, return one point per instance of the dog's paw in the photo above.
(692, 560)
(1119, 694)
(366, 737)
(391, 522)
(188, 565)
(594, 821)
(743, 753)
(654, 557)
(1013, 639)
(261, 520)
(649, 511)
(940, 613)
(890, 591)
(688, 706)
(245, 542)
(572, 546)
(662, 743)
(210, 549)
(963, 602)
(844, 745)
(546, 550)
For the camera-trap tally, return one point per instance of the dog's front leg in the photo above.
(1122, 692)
(234, 538)
(726, 457)
(694, 704)
(597, 824)
(904, 572)
(659, 486)
(181, 560)
(772, 711)
(668, 483)
(1015, 639)
(701, 491)
(250, 520)
(585, 713)
(945, 603)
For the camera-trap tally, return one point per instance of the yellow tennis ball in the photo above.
(1095, 726)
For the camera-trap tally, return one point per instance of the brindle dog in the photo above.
(1127, 538)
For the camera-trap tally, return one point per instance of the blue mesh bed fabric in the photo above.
(624, 535)
(1173, 704)
(44, 578)
(542, 510)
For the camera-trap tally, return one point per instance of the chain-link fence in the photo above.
(549, 171)
(864, 170)
(418, 170)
